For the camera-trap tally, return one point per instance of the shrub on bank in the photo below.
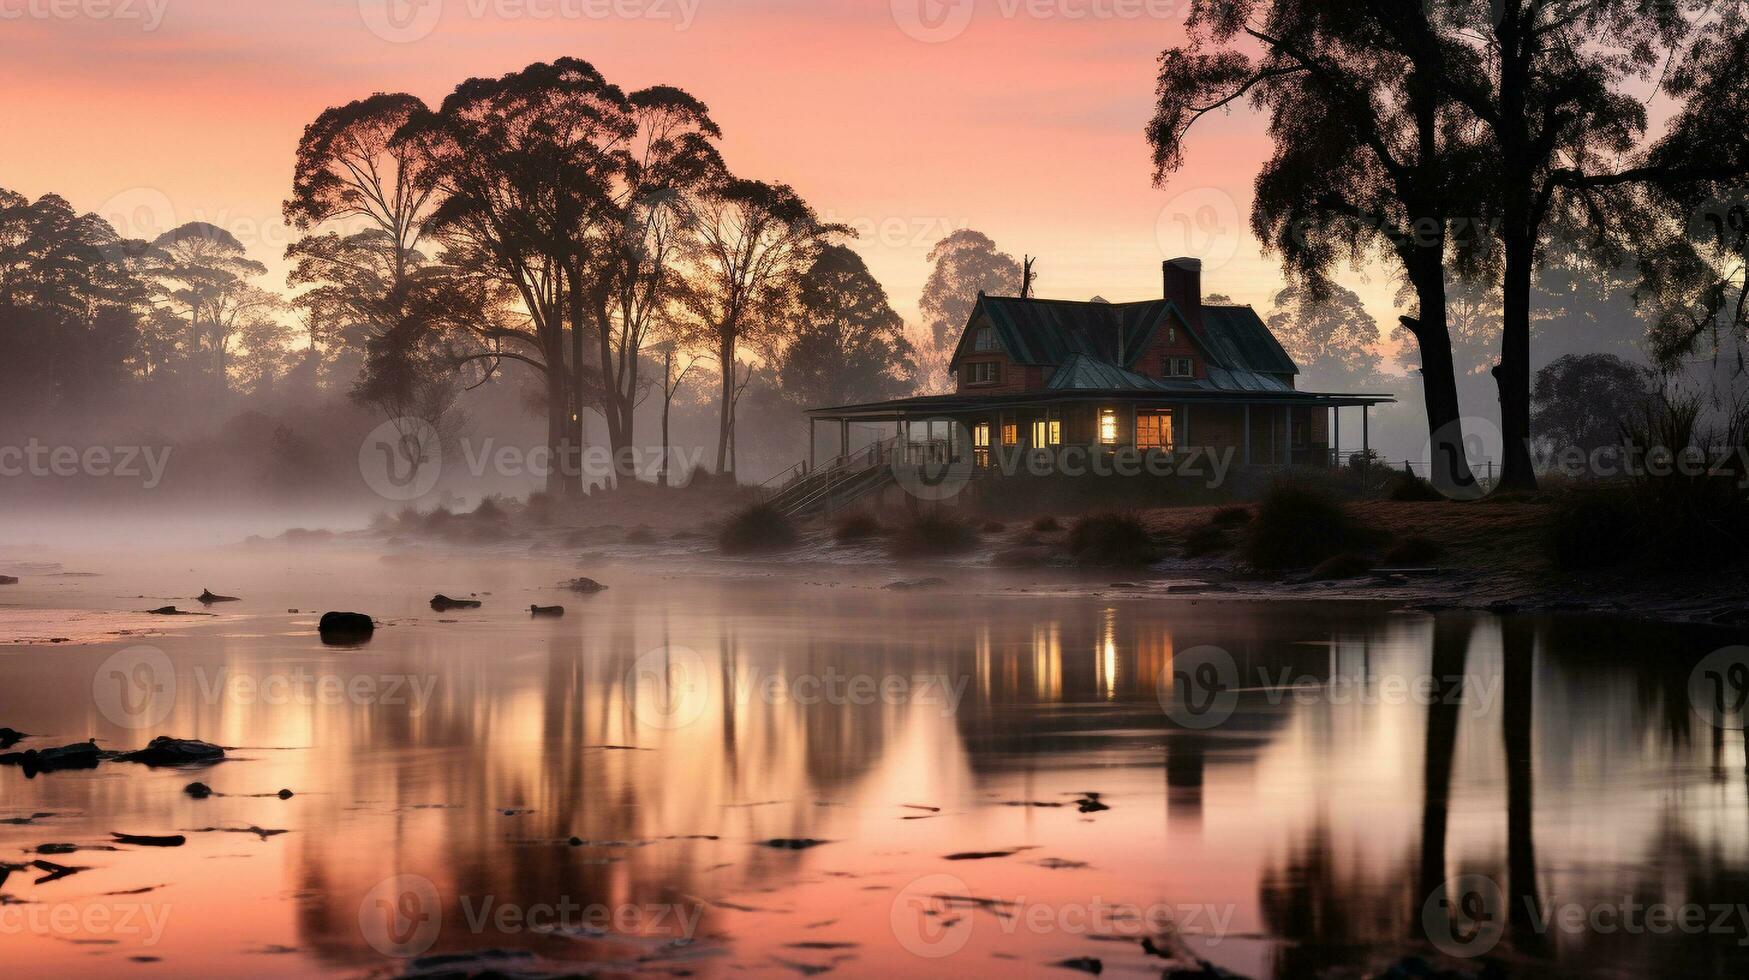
(1300, 522)
(1112, 539)
(857, 526)
(934, 533)
(759, 529)
(1409, 488)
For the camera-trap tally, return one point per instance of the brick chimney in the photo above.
(1184, 287)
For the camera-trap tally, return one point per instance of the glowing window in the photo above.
(1010, 434)
(1108, 426)
(1047, 432)
(1154, 430)
(981, 435)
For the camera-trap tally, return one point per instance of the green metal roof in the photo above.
(1242, 352)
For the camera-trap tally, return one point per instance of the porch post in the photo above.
(844, 437)
(810, 444)
(1247, 433)
(1366, 430)
(1287, 442)
(1336, 433)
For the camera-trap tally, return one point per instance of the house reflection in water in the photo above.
(1321, 812)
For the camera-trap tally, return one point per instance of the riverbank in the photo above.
(1492, 555)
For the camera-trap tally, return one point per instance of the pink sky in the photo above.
(1025, 122)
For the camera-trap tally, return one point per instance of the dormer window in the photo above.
(985, 339)
(983, 373)
(1178, 367)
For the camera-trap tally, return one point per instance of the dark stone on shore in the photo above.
(585, 586)
(284, 794)
(8, 580)
(167, 751)
(443, 603)
(199, 791)
(139, 840)
(576, 842)
(9, 738)
(345, 627)
(207, 598)
(79, 755)
(56, 848)
(793, 843)
(1086, 964)
(166, 611)
(546, 610)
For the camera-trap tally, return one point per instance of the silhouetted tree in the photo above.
(670, 161)
(848, 345)
(753, 240)
(1334, 340)
(1586, 400)
(374, 287)
(204, 275)
(1369, 154)
(520, 167)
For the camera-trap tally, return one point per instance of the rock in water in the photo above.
(165, 611)
(284, 794)
(207, 598)
(167, 751)
(199, 791)
(141, 840)
(345, 627)
(8, 580)
(79, 755)
(546, 610)
(9, 738)
(443, 603)
(585, 586)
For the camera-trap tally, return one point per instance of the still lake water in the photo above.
(598, 792)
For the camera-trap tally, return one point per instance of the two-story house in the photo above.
(1161, 375)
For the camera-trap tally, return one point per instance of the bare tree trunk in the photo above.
(726, 419)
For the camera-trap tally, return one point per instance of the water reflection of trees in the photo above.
(1050, 685)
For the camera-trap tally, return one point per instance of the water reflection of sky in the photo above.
(1311, 819)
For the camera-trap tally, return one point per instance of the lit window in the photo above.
(1047, 432)
(1010, 434)
(981, 444)
(1108, 426)
(1154, 430)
